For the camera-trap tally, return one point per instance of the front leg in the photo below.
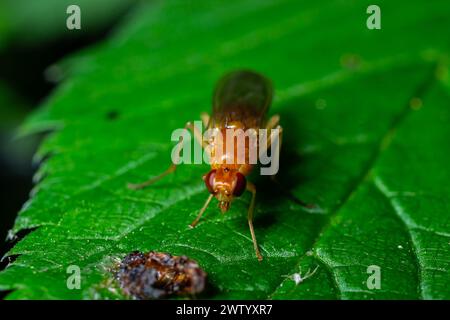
(205, 119)
(251, 187)
(198, 137)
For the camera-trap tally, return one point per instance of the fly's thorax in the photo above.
(234, 145)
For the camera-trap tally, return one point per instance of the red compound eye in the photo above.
(241, 183)
(209, 180)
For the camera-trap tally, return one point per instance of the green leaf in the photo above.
(365, 116)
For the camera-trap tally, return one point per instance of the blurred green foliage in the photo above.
(28, 23)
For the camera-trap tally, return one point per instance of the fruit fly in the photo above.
(240, 101)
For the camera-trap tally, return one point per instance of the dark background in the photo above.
(24, 67)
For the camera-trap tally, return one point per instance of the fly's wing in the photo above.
(243, 96)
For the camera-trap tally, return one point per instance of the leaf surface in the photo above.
(365, 117)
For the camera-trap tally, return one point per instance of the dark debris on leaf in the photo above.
(156, 275)
(112, 115)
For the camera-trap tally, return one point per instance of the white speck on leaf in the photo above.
(298, 278)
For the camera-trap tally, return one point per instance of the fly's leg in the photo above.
(273, 122)
(251, 187)
(205, 119)
(173, 166)
(202, 210)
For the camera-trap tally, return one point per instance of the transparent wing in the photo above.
(241, 96)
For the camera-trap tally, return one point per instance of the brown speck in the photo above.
(415, 103)
(112, 115)
(156, 275)
(351, 61)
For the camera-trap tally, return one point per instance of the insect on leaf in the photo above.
(365, 117)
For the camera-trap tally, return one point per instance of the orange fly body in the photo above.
(240, 101)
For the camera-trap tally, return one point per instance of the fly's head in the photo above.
(225, 183)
